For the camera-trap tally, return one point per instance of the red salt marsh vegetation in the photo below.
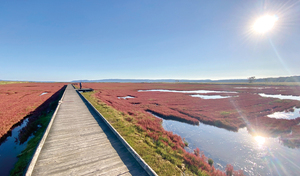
(162, 150)
(23, 99)
(244, 108)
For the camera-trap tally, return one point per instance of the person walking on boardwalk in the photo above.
(80, 85)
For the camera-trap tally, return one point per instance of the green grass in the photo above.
(186, 143)
(161, 158)
(210, 161)
(11, 82)
(225, 113)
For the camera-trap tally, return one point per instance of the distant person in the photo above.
(80, 85)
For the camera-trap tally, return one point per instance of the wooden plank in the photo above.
(78, 144)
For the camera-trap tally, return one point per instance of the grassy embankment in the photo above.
(25, 157)
(160, 157)
(11, 82)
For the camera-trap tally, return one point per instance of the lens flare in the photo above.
(260, 140)
(265, 23)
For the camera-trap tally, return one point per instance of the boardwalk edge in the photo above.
(138, 158)
(41, 144)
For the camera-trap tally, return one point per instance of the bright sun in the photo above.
(260, 140)
(265, 23)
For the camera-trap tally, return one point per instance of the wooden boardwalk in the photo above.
(79, 143)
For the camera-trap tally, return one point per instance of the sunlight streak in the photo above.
(290, 161)
(239, 111)
(281, 166)
(274, 166)
(279, 57)
(272, 163)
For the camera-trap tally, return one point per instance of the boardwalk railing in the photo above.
(41, 144)
(138, 158)
(76, 139)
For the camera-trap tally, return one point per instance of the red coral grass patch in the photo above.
(243, 108)
(20, 100)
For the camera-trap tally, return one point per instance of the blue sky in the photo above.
(69, 40)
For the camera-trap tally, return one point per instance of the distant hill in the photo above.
(141, 80)
(279, 79)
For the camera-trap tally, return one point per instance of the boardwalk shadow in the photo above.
(131, 163)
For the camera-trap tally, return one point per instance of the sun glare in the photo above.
(260, 140)
(265, 23)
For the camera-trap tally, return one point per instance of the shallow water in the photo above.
(283, 97)
(10, 149)
(286, 115)
(255, 155)
(43, 93)
(186, 91)
(126, 97)
(211, 96)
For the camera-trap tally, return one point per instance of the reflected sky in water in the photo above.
(211, 96)
(283, 97)
(10, 149)
(286, 115)
(44, 93)
(186, 91)
(255, 155)
(125, 97)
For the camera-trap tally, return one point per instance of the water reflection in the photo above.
(11, 148)
(286, 114)
(43, 93)
(186, 91)
(283, 97)
(260, 140)
(126, 97)
(211, 96)
(254, 154)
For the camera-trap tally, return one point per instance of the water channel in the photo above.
(11, 148)
(255, 155)
(186, 91)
